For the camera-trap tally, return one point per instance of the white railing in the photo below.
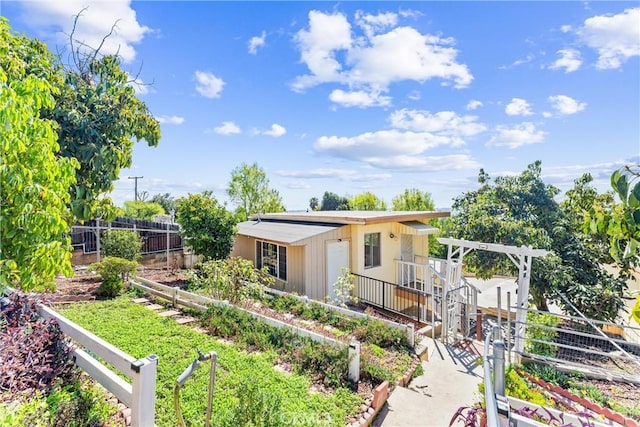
(140, 395)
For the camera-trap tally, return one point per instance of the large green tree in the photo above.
(142, 210)
(249, 190)
(333, 202)
(367, 201)
(521, 210)
(34, 181)
(165, 200)
(206, 225)
(413, 200)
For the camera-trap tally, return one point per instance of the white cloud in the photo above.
(369, 61)
(208, 85)
(528, 58)
(98, 17)
(616, 38)
(275, 131)
(171, 120)
(566, 28)
(255, 42)
(139, 86)
(566, 105)
(474, 104)
(442, 123)
(516, 136)
(328, 173)
(359, 98)
(570, 60)
(227, 128)
(414, 95)
(297, 185)
(518, 107)
(373, 24)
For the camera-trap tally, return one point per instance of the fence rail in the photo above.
(591, 346)
(156, 236)
(139, 395)
(408, 302)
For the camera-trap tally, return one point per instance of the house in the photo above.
(306, 252)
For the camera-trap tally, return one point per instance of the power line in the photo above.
(136, 185)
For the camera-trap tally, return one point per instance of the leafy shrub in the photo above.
(548, 373)
(122, 244)
(518, 387)
(255, 407)
(232, 279)
(113, 271)
(35, 355)
(538, 325)
(343, 289)
(376, 332)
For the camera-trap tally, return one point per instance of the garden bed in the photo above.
(278, 398)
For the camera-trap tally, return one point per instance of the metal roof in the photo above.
(420, 227)
(353, 217)
(283, 232)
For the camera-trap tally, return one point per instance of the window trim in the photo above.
(260, 257)
(372, 248)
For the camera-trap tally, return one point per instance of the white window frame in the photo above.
(372, 247)
(261, 255)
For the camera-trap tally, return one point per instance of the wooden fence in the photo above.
(140, 395)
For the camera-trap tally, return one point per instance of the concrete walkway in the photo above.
(450, 380)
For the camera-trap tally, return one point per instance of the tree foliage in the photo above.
(142, 210)
(521, 210)
(619, 223)
(206, 225)
(333, 202)
(314, 203)
(125, 244)
(249, 190)
(165, 200)
(367, 201)
(34, 181)
(413, 200)
(232, 279)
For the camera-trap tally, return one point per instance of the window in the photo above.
(371, 250)
(274, 257)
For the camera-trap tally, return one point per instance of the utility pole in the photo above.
(136, 178)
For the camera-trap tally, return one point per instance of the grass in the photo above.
(278, 398)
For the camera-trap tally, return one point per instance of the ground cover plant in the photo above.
(39, 383)
(249, 391)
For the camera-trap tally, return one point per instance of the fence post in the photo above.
(354, 361)
(168, 244)
(97, 239)
(144, 391)
(498, 367)
(175, 297)
(384, 307)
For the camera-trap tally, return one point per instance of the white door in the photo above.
(337, 259)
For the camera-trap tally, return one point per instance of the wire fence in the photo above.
(156, 236)
(592, 346)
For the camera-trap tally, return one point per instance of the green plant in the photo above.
(113, 271)
(548, 373)
(343, 289)
(539, 328)
(142, 210)
(125, 244)
(175, 345)
(232, 279)
(206, 225)
(35, 355)
(518, 387)
(376, 332)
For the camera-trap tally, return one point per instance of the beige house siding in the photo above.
(315, 261)
(295, 270)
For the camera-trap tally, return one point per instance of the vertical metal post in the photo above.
(383, 302)
(354, 361)
(168, 244)
(499, 307)
(144, 391)
(498, 367)
(98, 239)
(509, 326)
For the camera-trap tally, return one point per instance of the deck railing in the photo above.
(408, 302)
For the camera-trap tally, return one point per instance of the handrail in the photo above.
(491, 403)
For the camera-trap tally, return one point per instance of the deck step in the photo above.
(169, 313)
(154, 307)
(141, 300)
(183, 320)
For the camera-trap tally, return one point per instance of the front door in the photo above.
(337, 260)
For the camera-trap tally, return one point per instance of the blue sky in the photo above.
(368, 96)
